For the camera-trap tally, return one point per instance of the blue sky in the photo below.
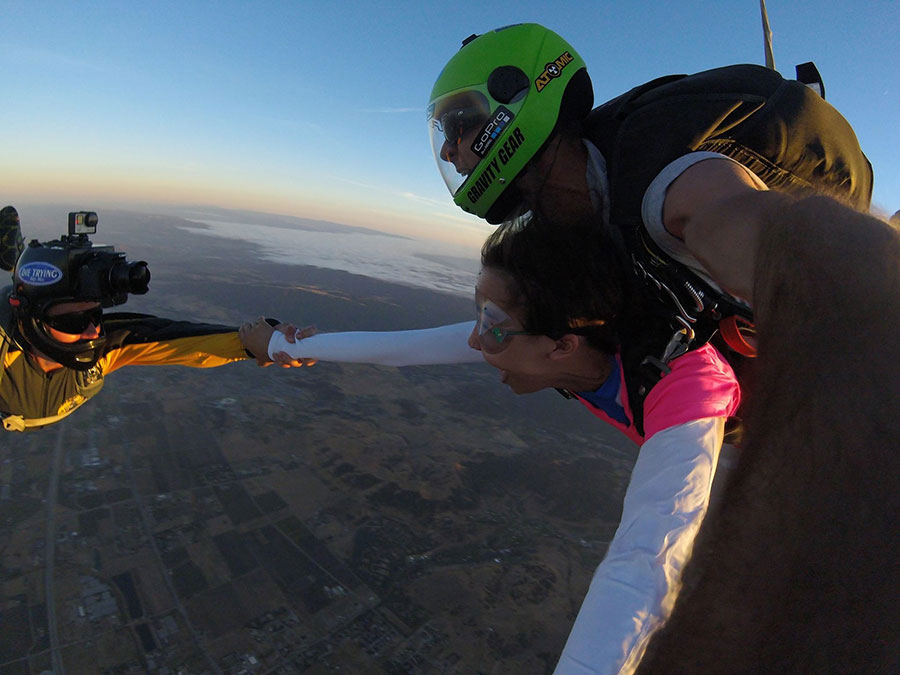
(317, 109)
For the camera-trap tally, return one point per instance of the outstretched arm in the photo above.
(428, 346)
(634, 588)
(141, 340)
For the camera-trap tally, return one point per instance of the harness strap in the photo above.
(3, 349)
(15, 422)
(19, 423)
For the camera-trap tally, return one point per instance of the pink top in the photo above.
(701, 384)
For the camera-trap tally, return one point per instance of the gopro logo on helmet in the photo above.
(491, 130)
(553, 69)
(39, 273)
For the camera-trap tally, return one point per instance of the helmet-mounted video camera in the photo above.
(72, 269)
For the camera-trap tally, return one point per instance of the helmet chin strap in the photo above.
(546, 163)
(540, 191)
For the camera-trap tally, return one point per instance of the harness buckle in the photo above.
(679, 342)
(14, 423)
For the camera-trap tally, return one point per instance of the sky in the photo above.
(316, 109)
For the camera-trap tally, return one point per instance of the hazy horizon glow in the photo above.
(406, 214)
(317, 112)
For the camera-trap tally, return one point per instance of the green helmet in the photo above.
(494, 107)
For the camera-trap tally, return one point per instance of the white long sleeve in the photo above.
(634, 588)
(427, 346)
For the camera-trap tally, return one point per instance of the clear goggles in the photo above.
(493, 326)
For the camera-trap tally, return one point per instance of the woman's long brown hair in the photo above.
(797, 571)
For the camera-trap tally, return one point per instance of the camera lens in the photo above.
(129, 277)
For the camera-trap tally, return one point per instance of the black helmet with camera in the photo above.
(71, 269)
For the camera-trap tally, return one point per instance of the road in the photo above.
(50, 551)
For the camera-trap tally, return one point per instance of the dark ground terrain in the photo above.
(248, 520)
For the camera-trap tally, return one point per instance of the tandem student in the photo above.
(552, 312)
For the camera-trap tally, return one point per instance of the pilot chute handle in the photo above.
(735, 332)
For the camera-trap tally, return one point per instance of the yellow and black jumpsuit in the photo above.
(31, 398)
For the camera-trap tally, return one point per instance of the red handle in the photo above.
(735, 331)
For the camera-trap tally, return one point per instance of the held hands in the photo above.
(292, 334)
(255, 338)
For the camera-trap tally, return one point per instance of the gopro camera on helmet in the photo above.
(72, 269)
(83, 222)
